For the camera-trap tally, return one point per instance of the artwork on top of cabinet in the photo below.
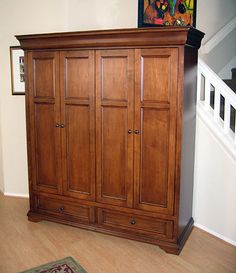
(166, 13)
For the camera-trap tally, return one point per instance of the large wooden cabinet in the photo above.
(110, 126)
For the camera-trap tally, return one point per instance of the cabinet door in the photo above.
(44, 114)
(114, 118)
(78, 118)
(155, 120)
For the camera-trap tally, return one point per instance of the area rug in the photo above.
(66, 265)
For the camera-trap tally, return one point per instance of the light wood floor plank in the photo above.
(24, 244)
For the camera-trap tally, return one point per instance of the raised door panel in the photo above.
(44, 77)
(78, 118)
(114, 154)
(155, 120)
(44, 109)
(155, 78)
(155, 132)
(114, 113)
(45, 144)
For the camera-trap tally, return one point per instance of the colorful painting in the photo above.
(167, 13)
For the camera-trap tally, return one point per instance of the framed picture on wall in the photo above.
(167, 13)
(17, 70)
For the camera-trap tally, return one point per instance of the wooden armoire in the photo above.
(110, 130)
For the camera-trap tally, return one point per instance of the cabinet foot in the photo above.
(32, 217)
(177, 247)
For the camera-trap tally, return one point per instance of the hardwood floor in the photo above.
(24, 244)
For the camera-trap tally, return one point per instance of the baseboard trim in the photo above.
(10, 194)
(231, 242)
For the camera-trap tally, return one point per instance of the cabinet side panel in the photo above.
(188, 136)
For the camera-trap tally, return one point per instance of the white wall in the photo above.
(102, 14)
(2, 187)
(215, 185)
(220, 56)
(212, 16)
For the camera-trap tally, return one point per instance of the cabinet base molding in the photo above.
(170, 247)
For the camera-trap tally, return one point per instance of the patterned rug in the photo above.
(66, 265)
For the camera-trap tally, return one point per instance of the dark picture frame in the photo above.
(17, 70)
(156, 13)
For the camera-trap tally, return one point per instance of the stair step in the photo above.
(233, 70)
(231, 84)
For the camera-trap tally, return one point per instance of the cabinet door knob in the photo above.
(62, 125)
(133, 222)
(61, 209)
(57, 125)
(130, 131)
(136, 132)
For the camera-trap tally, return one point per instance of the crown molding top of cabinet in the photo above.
(154, 36)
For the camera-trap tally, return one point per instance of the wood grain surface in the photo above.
(25, 245)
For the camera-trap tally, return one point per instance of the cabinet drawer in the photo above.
(139, 224)
(65, 209)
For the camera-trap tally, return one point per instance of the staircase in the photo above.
(214, 203)
(216, 104)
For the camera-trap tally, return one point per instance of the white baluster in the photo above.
(235, 126)
(235, 132)
(199, 78)
(217, 105)
(227, 116)
(207, 93)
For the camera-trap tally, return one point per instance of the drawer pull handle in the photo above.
(133, 222)
(61, 209)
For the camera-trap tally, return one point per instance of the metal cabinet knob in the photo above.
(136, 132)
(60, 125)
(133, 222)
(130, 131)
(61, 209)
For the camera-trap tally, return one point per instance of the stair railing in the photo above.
(216, 104)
